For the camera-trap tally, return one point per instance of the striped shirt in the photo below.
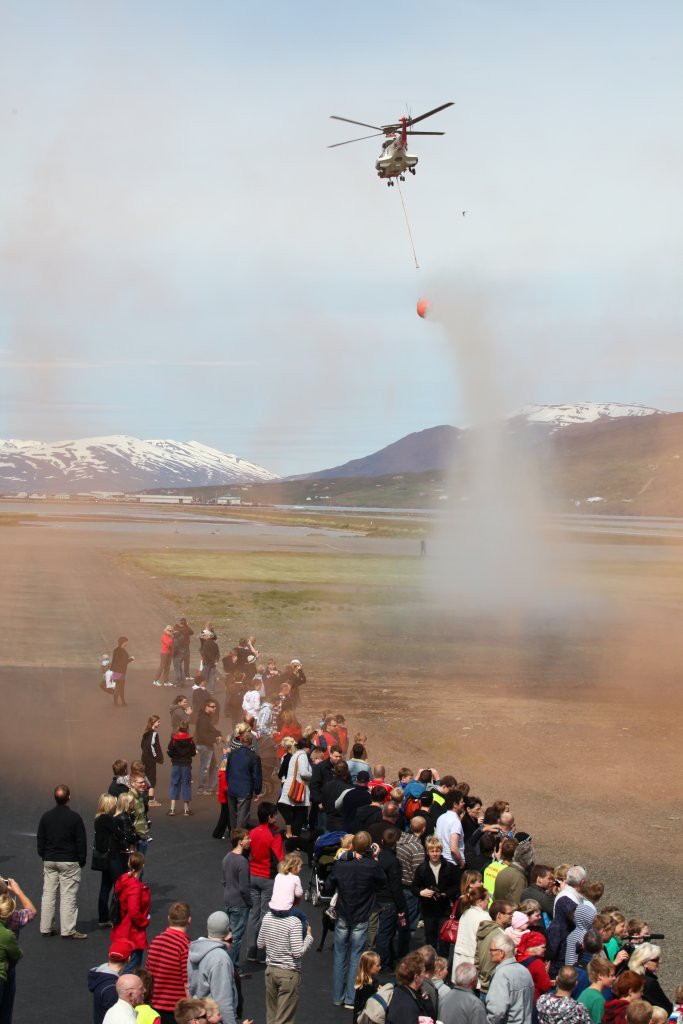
(411, 854)
(284, 945)
(167, 963)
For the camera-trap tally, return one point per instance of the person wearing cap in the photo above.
(530, 953)
(210, 970)
(352, 799)
(296, 677)
(130, 992)
(165, 658)
(102, 980)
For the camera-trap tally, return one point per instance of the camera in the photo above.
(631, 942)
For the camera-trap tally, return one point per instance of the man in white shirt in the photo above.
(131, 993)
(449, 828)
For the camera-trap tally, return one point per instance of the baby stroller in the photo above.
(106, 681)
(325, 850)
(324, 853)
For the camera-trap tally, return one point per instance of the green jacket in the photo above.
(139, 816)
(9, 950)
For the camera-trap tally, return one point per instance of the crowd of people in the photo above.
(413, 859)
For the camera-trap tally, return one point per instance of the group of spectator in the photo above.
(417, 861)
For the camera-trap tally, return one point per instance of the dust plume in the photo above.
(491, 549)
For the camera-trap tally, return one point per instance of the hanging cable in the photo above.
(410, 234)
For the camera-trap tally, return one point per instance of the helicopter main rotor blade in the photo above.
(424, 133)
(335, 144)
(414, 120)
(361, 123)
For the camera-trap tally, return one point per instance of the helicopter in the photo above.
(394, 160)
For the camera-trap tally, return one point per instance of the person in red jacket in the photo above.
(267, 850)
(134, 901)
(530, 953)
(166, 658)
(224, 817)
(289, 726)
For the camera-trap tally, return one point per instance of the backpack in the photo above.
(115, 915)
(375, 1010)
(411, 807)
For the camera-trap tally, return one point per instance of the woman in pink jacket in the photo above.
(166, 658)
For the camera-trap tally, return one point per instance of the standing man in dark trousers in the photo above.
(120, 661)
(62, 844)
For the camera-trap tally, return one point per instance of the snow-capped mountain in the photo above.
(435, 447)
(557, 416)
(119, 463)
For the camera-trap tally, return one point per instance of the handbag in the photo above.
(100, 861)
(297, 790)
(448, 932)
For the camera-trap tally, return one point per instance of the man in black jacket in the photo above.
(357, 880)
(322, 773)
(210, 657)
(391, 902)
(63, 846)
(205, 735)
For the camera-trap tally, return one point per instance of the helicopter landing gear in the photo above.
(401, 177)
(390, 183)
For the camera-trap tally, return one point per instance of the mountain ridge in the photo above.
(119, 462)
(434, 447)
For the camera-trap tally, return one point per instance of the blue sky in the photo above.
(181, 256)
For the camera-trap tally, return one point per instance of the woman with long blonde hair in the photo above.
(474, 907)
(102, 854)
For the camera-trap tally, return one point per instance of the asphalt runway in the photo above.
(592, 771)
(60, 727)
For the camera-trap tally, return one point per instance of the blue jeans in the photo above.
(135, 961)
(349, 943)
(208, 773)
(209, 672)
(178, 664)
(261, 894)
(238, 917)
(293, 912)
(181, 782)
(404, 934)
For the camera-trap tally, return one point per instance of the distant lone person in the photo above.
(120, 661)
(63, 845)
(165, 657)
(423, 549)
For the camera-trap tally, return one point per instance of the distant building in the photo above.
(228, 499)
(163, 499)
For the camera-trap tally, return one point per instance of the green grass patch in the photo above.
(281, 567)
(13, 519)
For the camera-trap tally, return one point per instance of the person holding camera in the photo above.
(356, 879)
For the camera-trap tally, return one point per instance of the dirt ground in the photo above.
(578, 725)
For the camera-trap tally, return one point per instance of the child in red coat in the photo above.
(134, 902)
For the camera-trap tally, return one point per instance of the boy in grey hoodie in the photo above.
(209, 968)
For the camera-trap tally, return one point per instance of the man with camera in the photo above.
(356, 879)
